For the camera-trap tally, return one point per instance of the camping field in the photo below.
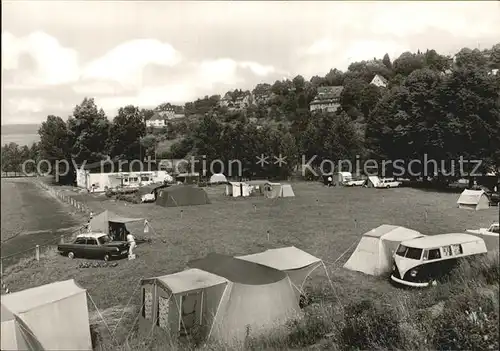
(326, 222)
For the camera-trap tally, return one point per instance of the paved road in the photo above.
(30, 216)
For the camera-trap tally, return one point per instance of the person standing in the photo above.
(330, 181)
(131, 246)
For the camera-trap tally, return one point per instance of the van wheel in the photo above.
(387, 187)
(107, 257)
(71, 255)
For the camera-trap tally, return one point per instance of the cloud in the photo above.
(319, 47)
(125, 63)
(54, 64)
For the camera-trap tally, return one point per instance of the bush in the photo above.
(469, 322)
(369, 326)
(133, 198)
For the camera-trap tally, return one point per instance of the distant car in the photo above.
(354, 182)
(424, 261)
(493, 229)
(94, 245)
(387, 183)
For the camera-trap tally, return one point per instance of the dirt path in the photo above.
(30, 216)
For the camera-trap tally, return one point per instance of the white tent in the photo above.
(297, 264)
(373, 255)
(473, 200)
(343, 177)
(218, 178)
(274, 190)
(48, 317)
(236, 189)
(229, 297)
(372, 181)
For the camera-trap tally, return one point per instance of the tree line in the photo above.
(435, 105)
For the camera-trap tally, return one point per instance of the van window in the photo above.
(401, 250)
(413, 253)
(434, 254)
(446, 251)
(495, 229)
(457, 249)
(145, 179)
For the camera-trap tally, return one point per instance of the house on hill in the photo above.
(379, 81)
(160, 118)
(327, 99)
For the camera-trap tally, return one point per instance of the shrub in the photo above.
(469, 322)
(133, 198)
(370, 326)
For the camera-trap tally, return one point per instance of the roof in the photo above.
(91, 235)
(238, 271)
(283, 259)
(470, 197)
(438, 240)
(112, 217)
(188, 280)
(25, 300)
(393, 232)
(382, 78)
(331, 92)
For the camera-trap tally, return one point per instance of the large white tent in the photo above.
(297, 264)
(218, 178)
(230, 297)
(473, 200)
(373, 255)
(48, 317)
(236, 189)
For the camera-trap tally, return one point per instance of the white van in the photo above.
(423, 261)
(387, 183)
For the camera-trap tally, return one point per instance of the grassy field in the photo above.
(326, 222)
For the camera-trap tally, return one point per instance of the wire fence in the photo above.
(80, 206)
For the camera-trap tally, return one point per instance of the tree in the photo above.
(335, 77)
(407, 63)
(467, 58)
(387, 62)
(368, 99)
(299, 83)
(351, 94)
(125, 134)
(89, 130)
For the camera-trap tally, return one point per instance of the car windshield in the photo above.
(104, 239)
(409, 252)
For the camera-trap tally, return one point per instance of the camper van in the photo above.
(423, 261)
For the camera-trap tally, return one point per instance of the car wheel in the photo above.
(107, 257)
(387, 187)
(71, 255)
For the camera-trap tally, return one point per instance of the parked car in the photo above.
(493, 229)
(353, 182)
(94, 245)
(387, 183)
(424, 261)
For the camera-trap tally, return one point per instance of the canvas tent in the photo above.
(182, 195)
(373, 255)
(112, 224)
(228, 297)
(257, 186)
(343, 177)
(473, 200)
(236, 189)
(218, 178)
(148, 193)
(274, 190)
(372, 181)
(297, 264)
(48, 317)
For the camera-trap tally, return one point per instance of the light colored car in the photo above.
(387, 183)
(353, 182)
(493, 229)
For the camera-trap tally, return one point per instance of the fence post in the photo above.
(37, 252)
(62, 239)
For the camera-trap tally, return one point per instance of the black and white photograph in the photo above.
(250, 175)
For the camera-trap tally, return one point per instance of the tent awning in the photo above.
(191, 279)
(28, 299)
(283, 259)
(117, 219)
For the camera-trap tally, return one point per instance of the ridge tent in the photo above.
(229, 297)
(150, 192)
(297, 264)
(373, 255)
(343, 177)
(218, 178)
(112, 224)
(257, 186)
(473, 200)
(372, 181)
(48, 317)
(182, 195)
(274, 190)
(236, 189)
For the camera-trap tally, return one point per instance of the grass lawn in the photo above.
(322, 221)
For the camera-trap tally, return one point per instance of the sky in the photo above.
(55, 53)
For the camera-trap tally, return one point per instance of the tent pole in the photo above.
(330, 281)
